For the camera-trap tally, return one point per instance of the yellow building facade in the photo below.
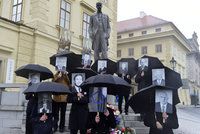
(31, 29)
(152, 36)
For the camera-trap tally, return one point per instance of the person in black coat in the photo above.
(161, 123)
(79, 111)
(125, 96)
(41, 123)
(101, 123)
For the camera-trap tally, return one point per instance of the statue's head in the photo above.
(99, 6)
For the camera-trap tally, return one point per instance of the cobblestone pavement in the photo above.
(189, 120)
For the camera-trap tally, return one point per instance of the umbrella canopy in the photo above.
(111, 66)
(114, 84)
(24, 71)
(51, 87)
(88, 72)
(73, 60)
(144, 100)
(173, 79)
(153, 62)
(129, 63)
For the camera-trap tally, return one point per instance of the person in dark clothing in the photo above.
(161, 123)
(42, 123)
(79, 110)
(125, 96)
(140, 79)
(30, 98)
(101, 123)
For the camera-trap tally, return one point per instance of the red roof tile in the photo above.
(138, 23)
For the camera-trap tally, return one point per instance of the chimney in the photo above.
(142, 14)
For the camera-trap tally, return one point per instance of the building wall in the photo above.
(37, 43)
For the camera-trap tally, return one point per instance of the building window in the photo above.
(119, 37)
(158, 48)
(130, 51)
(17, 10)
(131, 35)
(1, 71)
(158, 30)
(86, 23)
(118, 53)
(144, 50)
(144, 32)
(65, 14)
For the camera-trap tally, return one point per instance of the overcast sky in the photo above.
(185, 14)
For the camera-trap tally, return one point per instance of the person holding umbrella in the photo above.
(161, 123)
(79, 110)
(60, 102)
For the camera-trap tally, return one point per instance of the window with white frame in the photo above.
(17, 10)
(65, 11)
(130, 51)
(86, 23)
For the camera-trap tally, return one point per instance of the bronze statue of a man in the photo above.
(99, 31)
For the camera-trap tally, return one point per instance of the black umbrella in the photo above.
(115, 84)
(51, 87)
(172, 78)
(144, 100)
(24, 71)
(73, 60)
(87, 71)
(131, 65)
(111, 66)
(153, 62)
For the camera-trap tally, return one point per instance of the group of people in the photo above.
(80, 119)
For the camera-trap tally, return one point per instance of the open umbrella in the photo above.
(111, 66)
(153, 62)
(114, 84)
(73, 60)
(144, 100)
(127, 66)
(173, 79)
(87, 71)
(25, 70)
(51, 87)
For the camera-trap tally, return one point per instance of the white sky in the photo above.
(185, 14)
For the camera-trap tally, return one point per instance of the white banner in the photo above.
(10, 71)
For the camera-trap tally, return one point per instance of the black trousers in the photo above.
(74, 131)
(59, 109)
(126, 97)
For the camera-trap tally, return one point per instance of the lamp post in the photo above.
(173, 63)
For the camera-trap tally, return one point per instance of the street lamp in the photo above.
(173, 63)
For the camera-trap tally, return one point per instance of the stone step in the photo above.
(133, 124)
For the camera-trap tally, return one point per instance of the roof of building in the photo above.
(139, 23)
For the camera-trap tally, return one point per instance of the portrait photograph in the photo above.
(123, 67)
(158, 77)
(34, 78)
(97, 99)
(163, 101)
(143, 64)
(102, 66)
(44, 103)
(86, 59)
(61, 63)
(77, 79)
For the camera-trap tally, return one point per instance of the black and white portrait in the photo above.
(102, 66)
(163, 101)
(61, 63)
(143, 64)
(86, 59)
(123, 67)
(34, 78)
(158, 77)
(97, 99)
(44, 103)
(77, 80)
